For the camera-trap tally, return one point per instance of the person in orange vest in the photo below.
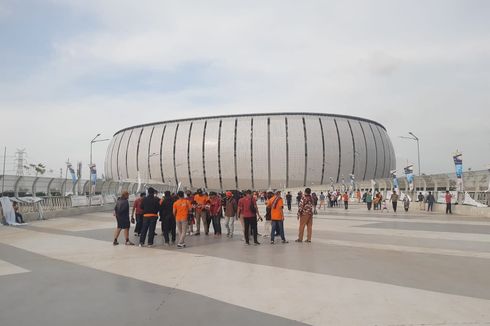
(276, 205)
(345, 198)
(201, 201)
(181, 209)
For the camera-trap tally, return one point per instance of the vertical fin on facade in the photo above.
(376, 148)
(353, 148)
(204, 154)
(175, 145)
(287, 152)
(127, 149)
(340, 149)
(306, 152)
(219, 155)
(323, 150)
(365, 146)
(252, 151)
(149, 152)
(189, 154)
(161, 153)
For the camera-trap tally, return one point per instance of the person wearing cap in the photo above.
(121, 212)
(150, 206)
(215, 212)
(167, 217)
(276, 205)
(230, 213)
(201, 200)
(181, 209)
(247, 209)
(139, 214)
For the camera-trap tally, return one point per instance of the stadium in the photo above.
(251, 151)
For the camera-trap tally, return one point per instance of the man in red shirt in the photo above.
(448, 198)
(247, 209)
(139, 214)
(215, 212)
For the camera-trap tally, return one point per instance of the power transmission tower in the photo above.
(19, 161)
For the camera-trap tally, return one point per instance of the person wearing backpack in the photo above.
(247, 209)
(276, 205)
(305, 216)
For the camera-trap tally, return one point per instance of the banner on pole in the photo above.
(69, 166)
(409, 175)
(395, 179)
(458, 163)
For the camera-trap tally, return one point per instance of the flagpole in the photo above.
(3, 173)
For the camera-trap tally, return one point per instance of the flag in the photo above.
(458, 163)
(395, 179)
(409, 175)
(72, 172)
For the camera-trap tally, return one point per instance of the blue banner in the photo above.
(458, 162)
(409, 174)
(395, 179)
(72, 172)
(93, 174)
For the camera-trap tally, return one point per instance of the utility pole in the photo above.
(3, 173)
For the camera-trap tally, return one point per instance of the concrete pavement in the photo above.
(362, 268)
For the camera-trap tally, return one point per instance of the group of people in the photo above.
(179, 213)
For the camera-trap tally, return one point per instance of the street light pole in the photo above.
(91, 163)
(418, 145)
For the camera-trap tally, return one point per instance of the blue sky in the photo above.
(71, 69)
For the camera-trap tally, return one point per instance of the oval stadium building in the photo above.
(251, 151)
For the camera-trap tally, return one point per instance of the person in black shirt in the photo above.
(121, 212)
(167, 218)
(289, 199)
(150, 206)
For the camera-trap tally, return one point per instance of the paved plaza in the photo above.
(362, 268)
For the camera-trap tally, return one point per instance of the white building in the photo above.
(252, 151)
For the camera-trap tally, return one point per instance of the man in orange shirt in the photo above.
(181, 210)
(201, 202)
(276, 205)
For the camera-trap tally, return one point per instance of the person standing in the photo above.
(190, 218)
(139, 214)
(200, 212)
(268, 219)
(305, 216)
(430, 201)
(345, 198)
(181, 209)
(215, 212)
(406, 203)
(247, 209)
(394, 200)
(276, 205)
(121, 212)
(314, 197)
(151, 207)
(421, 200)
(230, 213)
(167, 218)
(448, 197)
(322, 201)
(369, 199)
(289, 200)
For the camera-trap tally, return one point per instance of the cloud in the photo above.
(137, 62)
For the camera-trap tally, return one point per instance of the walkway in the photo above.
(363, 268)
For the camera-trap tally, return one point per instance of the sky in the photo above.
(72, 69)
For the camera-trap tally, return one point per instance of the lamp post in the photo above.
(95, 140)
(418, 144)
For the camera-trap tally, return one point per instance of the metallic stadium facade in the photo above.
(251, 151)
